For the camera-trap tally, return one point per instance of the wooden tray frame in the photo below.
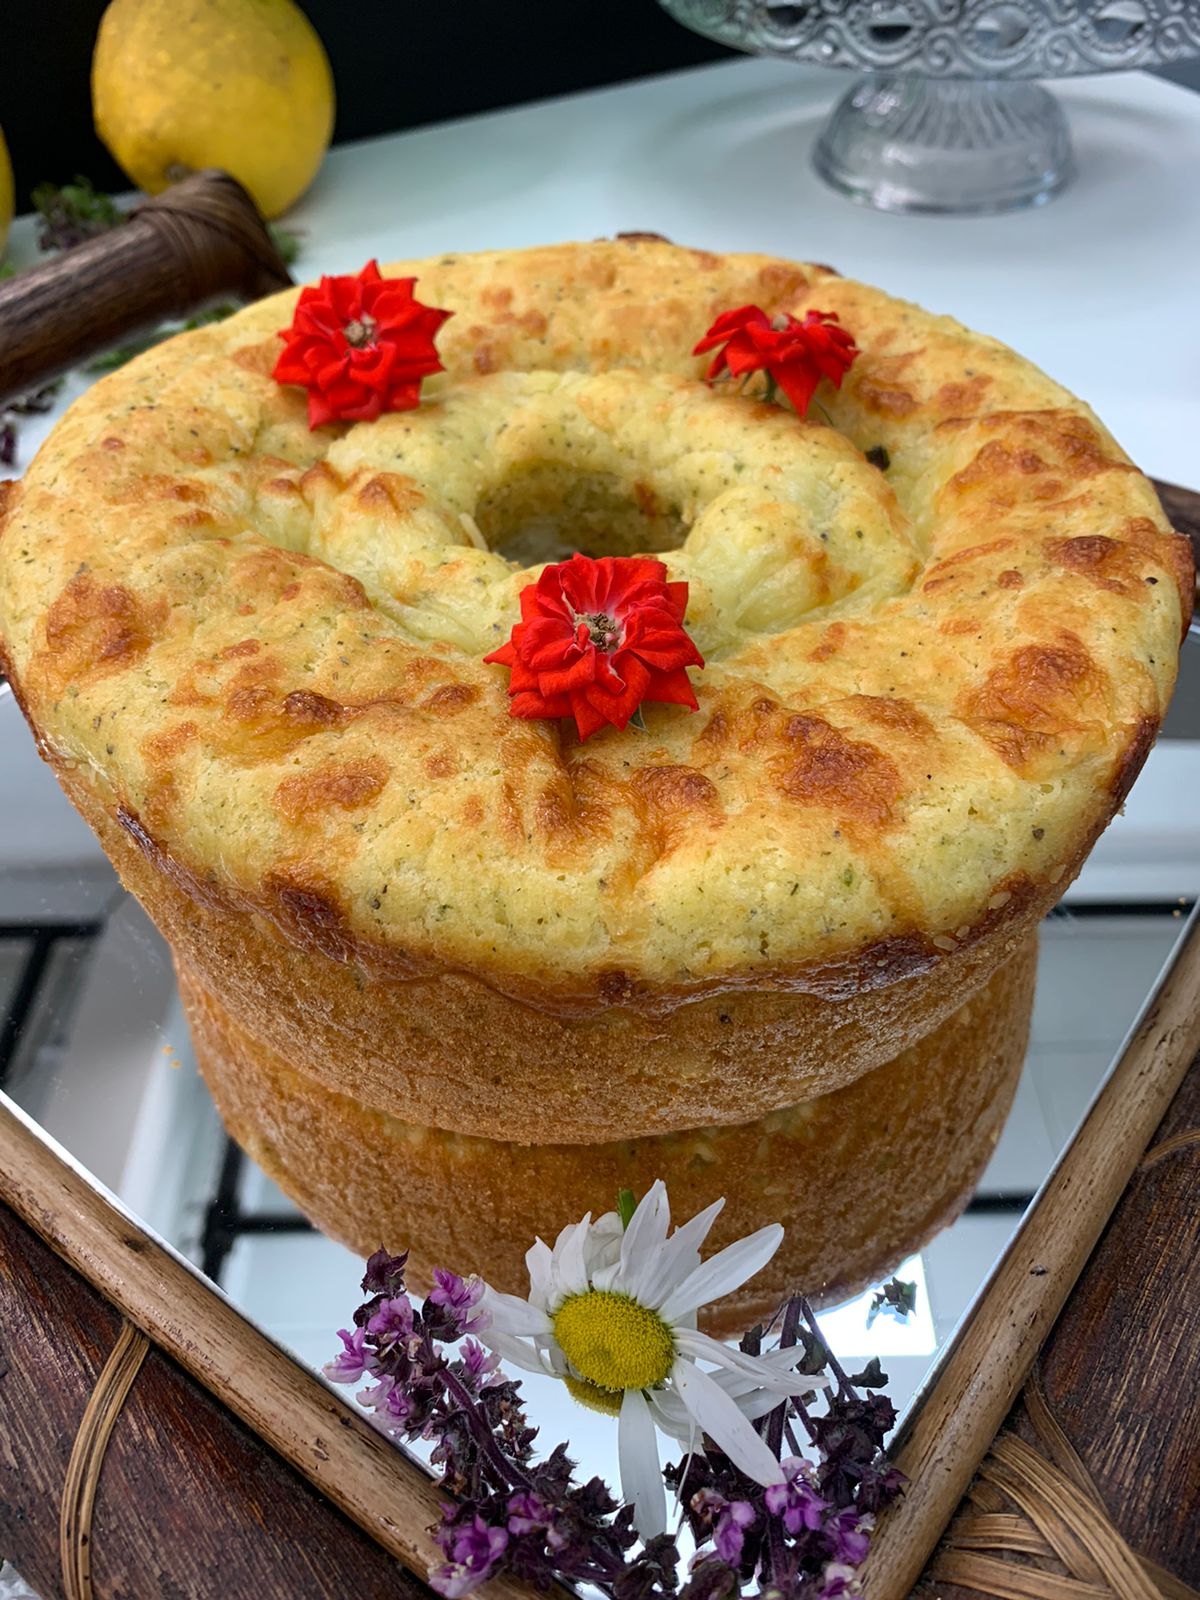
(388, 1494)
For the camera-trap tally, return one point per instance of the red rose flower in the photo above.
(360, 346)
(795, 355)
(598, 638)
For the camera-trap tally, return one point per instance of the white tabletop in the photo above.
(1099, 287)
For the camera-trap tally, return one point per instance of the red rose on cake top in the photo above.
(597, 639)
(360, 345)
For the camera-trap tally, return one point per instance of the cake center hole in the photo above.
(548, 512)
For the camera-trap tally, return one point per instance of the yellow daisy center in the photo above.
(606, 1401)
(614, 1342)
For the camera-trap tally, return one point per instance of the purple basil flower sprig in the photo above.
(425, 1377)
(804, 1538)
(528, 1517)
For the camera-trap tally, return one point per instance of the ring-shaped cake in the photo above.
(940, 630)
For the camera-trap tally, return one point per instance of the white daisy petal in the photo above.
(680, 1256)
(719, 1416)
(745, 1388)
(641, 1471)
(669, 1413)
(604, 1251)
(672, 1416)
(570, 1261)
(682, 1428)
(758, 1403)
(643, 1239)
(738, 1386)
(604, 1242)
(739, 1383)
(773, 1368)
(723, 1273)
(517, 1352)
(540, 1262)
(511, 1314)
(607, 1277)
(563, 1235)
(752, 1403)
(669, 1410)
(555, 1361)
(781, 1364)
(771, 1371)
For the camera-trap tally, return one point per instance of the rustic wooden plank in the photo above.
(992, 1357)
(363, 1473)
(1120, 1371)
(54, 1337)
(191, 1506)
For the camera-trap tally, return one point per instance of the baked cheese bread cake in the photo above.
(939, 617)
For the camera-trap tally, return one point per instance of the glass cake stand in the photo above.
(947, 118)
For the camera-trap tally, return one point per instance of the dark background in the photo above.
(396, 64)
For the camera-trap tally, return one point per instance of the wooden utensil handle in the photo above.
(200, 239)
(1182, 507)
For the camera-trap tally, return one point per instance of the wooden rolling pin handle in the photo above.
(200, 240)
(1182, 507)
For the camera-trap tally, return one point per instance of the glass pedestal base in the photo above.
(951, 145)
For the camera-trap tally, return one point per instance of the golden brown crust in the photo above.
(254, 656)
(445, 1050)
(859, 1178)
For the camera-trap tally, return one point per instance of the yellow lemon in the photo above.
(6, 192)
(239, 84)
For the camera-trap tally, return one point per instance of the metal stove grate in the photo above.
(33, 950)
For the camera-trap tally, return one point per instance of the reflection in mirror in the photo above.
(923, 1168)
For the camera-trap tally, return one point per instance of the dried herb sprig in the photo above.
(77, 211)
(287, 243)
(897, 1298)
(30, 405)
(67, 215)
(802, 1538)
(73, 213)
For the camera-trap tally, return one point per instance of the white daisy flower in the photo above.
(613, 1312)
